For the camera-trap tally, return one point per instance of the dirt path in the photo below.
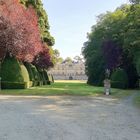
(68, 118)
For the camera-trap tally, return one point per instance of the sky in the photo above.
(70, 20)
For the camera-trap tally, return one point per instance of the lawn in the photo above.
(79, 88)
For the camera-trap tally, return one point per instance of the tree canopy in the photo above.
(42, 20)
(20, 36)
(114, 42)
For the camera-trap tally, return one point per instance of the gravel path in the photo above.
(68, 118)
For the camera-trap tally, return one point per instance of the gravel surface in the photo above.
(68, 118)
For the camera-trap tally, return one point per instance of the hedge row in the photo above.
(16, 75)
(119, 79)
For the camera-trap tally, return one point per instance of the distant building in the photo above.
(69, 71)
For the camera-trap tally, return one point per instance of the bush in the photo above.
(14, 85)
(25, 75)
(119, 79)
(52, 78)
(29, 69)
(13, 72)
(42, 77)
(37, 77)
(47, 77)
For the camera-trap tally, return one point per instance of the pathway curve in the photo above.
(68, 118)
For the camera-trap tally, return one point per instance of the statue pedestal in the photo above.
(107, 86)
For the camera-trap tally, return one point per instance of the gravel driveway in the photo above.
(68, 118)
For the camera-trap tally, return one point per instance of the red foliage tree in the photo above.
(19, 30)
(43, 60)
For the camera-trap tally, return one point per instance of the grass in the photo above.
(58, 88)
(79, 88)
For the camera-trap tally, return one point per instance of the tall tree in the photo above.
(115, 37)
(42, 20)
(19, 30)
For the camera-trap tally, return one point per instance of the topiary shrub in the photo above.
(47, 77)
(25, 75)
(52, 78)
(119, 79)
(10, 70)
(29, 69)
(37, 77)
(42, 77)
(13, 72)
(14, 85)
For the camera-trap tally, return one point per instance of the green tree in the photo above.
(122, 28)
(135, 1)
(43, 20)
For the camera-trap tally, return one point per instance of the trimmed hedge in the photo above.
(47, 77)
(11, 70)
(25, 75)
(37, 78)
(41, 75)
(29, 69)
(52, 78)
(119, 79)
(14, 85)
(14, 72)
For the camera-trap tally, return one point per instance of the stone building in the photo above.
(69, 71)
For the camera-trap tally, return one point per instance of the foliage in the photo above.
(68, 59)
(43, 60)
(135, 1)
(13, 72)
(114, 42)
(35, 73)
(43, 20)
(29, 69)
(132, 33)
(25, 74)
(14, 85)
(112, 54)
(19, 33)
(119, 79)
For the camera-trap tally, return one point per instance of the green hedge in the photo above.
(37, 77)
(52, 78)
(12, 71)
(47, 77)
(25, 75)
(117, 84)
(14, 85)
(29, 69)
(42, 77)
(119, 79)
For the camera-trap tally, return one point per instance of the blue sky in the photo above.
(70, 20)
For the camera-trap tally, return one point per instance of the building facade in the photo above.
(69, 71)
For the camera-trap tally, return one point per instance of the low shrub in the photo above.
(14, 85)
(47, 77)
(119, 79)
(37, 77)
(13, 71)
(30, 72)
